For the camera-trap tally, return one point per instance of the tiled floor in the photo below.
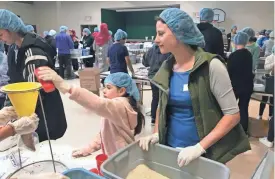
(242, 167)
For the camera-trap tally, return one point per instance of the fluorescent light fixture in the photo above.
(142, 9)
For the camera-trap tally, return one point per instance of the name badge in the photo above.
(185, 87)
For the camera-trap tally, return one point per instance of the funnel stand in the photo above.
(47, 131)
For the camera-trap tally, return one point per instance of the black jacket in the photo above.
(154, 59)
(51, 41)
(228, 41)
(213, 39)
(35, 52)
(239, 67)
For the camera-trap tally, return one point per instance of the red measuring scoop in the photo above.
(47, 86)
(99, 160)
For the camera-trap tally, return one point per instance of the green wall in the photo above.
(138, 25)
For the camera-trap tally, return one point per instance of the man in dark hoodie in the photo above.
(29, 53)
(154, 59)
(212, 36)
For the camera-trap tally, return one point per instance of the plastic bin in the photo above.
(85, 52)
(75, 53)
(265, 167)
(80, 173)
(163, 160)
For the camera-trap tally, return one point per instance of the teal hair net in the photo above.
(96, 29)
(110, 32)
(52, 32)
(182, 26)
(233, 27)
(120, 80)
(241, 38)
(120, 34)
(207, 14)
(63, 28)
(87, 31)
(29, 28)
(249, 31)
(11, 22)
(45, 33)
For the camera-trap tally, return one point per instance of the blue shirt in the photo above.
(182, 130)
(262, 40)
(64, 43)
(117, 53)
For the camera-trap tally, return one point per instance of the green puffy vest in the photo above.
(206, 109)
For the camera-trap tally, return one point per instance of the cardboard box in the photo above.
(90, 79)
(257, 128)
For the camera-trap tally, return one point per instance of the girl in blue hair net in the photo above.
(198, 111)
(119, 108)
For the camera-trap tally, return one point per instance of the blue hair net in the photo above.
(207, 14)
(241, 38)
(63, 28)
(233, 27)
(249, 31)
(52, 32)
(110, 32)
(29, 28)
(45, 33)
(96, 29)
(120, 80)
(182, 26)
(87, 31)
(11, 22)
(120, 34)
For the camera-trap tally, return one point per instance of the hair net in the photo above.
(249, 31)
(233, 27)
(52, 32)
(96, 29)
(29, 28)
(63, 28)
(45, 33)
(110, 32)
(207, 14)
(120, 34)
(11, 22)
(241, 38)
(271, 34)
(87, 31)
(120, 80)
(182, 26)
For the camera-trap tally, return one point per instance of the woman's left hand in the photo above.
(189, 154)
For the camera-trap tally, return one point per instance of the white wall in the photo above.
(26, 11)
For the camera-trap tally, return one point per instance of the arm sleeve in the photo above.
(221, 87)
(126, 53)
(71, 43)
(269, 63)
(35, 58)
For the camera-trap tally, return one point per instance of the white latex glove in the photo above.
(47, 74)
(7, 114)
(145, 141)
(43, 176)
(25, 125)
(189, 154)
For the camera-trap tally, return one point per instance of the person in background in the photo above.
(252, 46)
(87, 42)
(64, 44)
(224, 37)
(76, 44)
(199, 116)
(96, 31)
(212, 36)
(264, 38)
(230, 37)
(102, 43)
(30, 28)
(111, 34)
(118, 55)
(122, 119)
(268, 45)
(154, 59)
(261, 34)
(50, 38)
(269, 66)
(239, 67)
(45, 33)
(32, 52)
(4, 79)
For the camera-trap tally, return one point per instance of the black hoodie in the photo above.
(213, 39)
(34, 53)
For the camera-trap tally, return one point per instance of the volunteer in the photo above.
(4, 79)
(230, 37)
(102, 43)
(33, 52)
(252, 46)
(76, 44)
(87, 42)
(197, 112)
(118, 55)
(268, 45)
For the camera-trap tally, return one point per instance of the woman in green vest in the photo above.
(197, 111)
